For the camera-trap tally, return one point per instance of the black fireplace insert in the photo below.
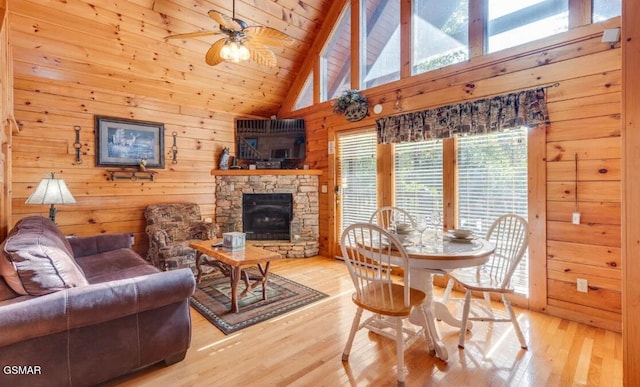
(267, 216)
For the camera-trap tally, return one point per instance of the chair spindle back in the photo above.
(371, 253)
(509, 234)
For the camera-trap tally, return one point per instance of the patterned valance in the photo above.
(482, 116)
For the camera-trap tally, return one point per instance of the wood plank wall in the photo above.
(62, 80)
(47, 113)
(6, 117)
(78, 58)
(585, 114)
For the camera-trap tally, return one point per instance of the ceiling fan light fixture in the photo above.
(234, 51)
(242, 42)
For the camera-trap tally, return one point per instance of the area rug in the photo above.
(212, 299)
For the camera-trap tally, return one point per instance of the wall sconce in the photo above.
(51, 191)
(77, 145)
(611, 35)
(174, 149)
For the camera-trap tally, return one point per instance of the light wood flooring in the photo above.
(304, 348)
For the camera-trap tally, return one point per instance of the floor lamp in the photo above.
(51, 191)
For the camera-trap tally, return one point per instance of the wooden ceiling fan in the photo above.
(243, 42)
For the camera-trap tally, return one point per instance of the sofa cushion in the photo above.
(6, 293)
(37, 259)
(114, 265)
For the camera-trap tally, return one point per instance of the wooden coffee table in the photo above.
(231, 263)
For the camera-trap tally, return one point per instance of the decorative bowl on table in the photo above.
(461, 233)
(404, 228)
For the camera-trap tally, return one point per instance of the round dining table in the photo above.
(440, 256)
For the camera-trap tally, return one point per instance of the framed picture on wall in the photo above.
(123, 142)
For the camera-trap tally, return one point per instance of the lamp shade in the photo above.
(51, 191)
(234, 51)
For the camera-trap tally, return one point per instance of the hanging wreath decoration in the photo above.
(352, 104)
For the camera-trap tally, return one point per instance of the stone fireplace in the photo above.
(234, 186)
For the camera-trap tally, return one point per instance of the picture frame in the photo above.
(125, 143)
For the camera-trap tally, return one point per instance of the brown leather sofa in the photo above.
(82, 311)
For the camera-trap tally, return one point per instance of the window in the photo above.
(380, 42)
(439, 37)
(305, 98)
(335, 60)
(440, 34)
(492, 181)
(418, 177)
(357, 177)
(511, 23)
(606, 9)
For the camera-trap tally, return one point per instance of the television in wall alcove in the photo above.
(271, 140)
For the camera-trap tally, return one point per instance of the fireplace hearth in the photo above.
(267, 216)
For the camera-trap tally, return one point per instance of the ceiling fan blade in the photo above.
(261, 54)
(192, 34)
(268, 36)
(213, 55)
(226, 21)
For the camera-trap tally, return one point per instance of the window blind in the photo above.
(357, 172)
(418, 177)
(492, 181)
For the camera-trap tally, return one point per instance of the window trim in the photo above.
(322, 60)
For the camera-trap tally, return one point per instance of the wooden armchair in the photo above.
(371, 253)
(170, 228)
(509, 234)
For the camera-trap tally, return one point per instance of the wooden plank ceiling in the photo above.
(121, 46)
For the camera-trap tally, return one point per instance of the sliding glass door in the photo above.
(492, 181)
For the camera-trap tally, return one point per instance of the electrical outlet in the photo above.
(133, 239)
(575, 218)
(582, 285)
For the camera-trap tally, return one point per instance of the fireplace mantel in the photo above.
(261, 172)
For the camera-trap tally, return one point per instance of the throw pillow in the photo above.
(37, 259)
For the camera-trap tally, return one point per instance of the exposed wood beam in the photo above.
(477, 21)
(580, 14)
(405, 38)
(353, 65)
(631, 188)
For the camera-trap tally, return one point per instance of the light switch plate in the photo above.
(582, 285)
(575, 218)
